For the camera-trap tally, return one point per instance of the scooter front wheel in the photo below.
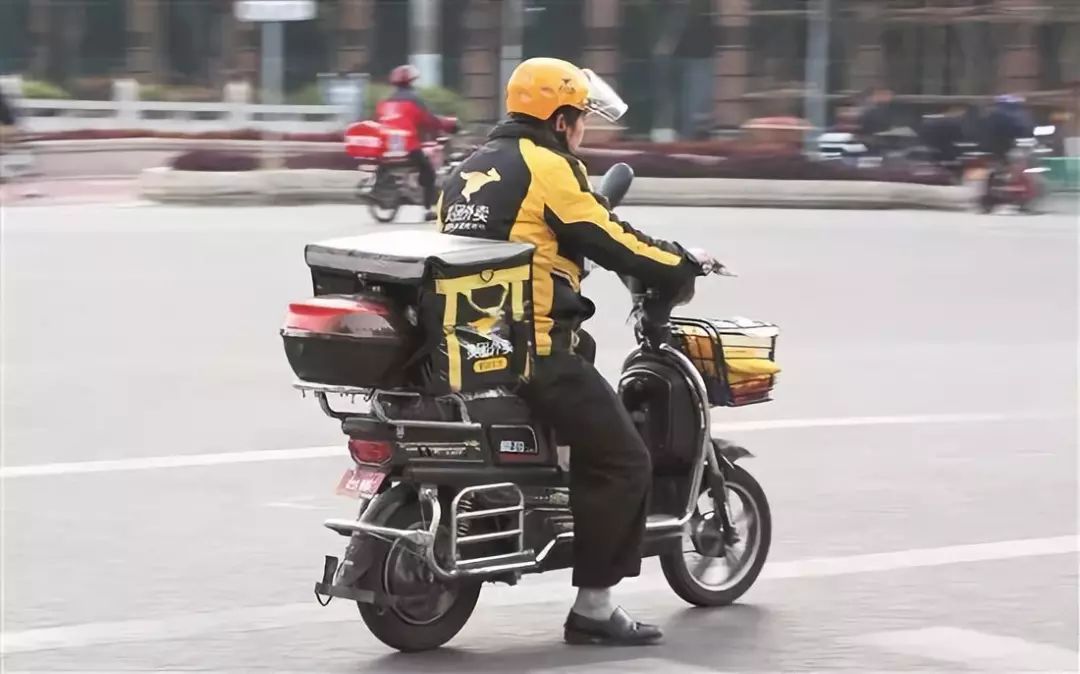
(384, 197)
(706, 571)
(426, 613)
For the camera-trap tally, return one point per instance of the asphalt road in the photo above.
(920, 457)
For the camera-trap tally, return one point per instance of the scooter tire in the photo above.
(382, 214)
(678, 574)
(392, 628)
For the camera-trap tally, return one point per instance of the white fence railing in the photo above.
(126, 111)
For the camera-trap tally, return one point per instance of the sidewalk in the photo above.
(32, 192)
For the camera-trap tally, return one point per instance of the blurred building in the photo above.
(687, 65)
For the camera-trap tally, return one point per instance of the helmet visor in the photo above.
(602, 98)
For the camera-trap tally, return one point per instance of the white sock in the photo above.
(594, 603)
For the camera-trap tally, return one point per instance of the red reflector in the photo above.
(369, 451)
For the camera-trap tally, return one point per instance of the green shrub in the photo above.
(179, 94)
(91, 88)
(442, 101)
(41, 89)
(312, 95)
(446, 102)
(308, 95)
(375, 92)
(152, 92)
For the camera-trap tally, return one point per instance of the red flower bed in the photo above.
(645, 165)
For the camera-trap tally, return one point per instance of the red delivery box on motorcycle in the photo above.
(372, 141)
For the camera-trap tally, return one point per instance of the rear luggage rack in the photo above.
(376, 398)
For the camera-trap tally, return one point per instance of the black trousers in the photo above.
(426, 173)
(610, 468)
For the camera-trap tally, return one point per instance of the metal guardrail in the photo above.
(49, 115)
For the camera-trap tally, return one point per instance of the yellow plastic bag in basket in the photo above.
(747, 364)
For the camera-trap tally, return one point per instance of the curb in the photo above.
(328, 186)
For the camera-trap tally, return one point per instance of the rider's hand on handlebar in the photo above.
(708, 263)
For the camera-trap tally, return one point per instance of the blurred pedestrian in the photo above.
(876, 117)
(7, 113)
(943, 134)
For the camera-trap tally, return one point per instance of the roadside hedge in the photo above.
(781, 166)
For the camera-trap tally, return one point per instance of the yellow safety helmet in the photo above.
(540, 86)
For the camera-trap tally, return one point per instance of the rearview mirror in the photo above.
(615, 183)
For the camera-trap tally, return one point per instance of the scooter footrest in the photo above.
(662, 522)
(507, 562)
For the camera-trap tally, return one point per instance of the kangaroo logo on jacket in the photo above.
(475, 181)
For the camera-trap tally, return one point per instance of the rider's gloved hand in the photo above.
(706, 262)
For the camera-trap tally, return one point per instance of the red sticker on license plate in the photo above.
(360, 483)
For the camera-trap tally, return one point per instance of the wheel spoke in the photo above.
(716, 573)
(703, 565)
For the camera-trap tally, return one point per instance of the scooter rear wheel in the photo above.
(427, 613)
(706, 572)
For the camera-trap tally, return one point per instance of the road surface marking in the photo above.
(841, 422)
(176, 461)
(922, 557)
(630, 665)
(978, 649)
(256, 456)
(300, 503)
(289, 615)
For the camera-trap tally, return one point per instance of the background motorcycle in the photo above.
(1020, 180)
(478, 493)
(388, 179)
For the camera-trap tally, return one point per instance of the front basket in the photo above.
(736, 357)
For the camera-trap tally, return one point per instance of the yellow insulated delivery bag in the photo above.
(478, 320)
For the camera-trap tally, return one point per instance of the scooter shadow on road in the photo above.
(692, 636)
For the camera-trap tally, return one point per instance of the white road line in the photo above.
(911, 419)
(255, 456)
(631, 665)
(977, 649)
(289, 615)
(922, 557)
(176, 461)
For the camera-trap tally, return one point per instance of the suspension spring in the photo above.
(465, 505)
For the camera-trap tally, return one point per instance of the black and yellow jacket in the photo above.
(521, 185)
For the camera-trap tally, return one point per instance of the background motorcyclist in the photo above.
(405, 111)
(1005, 122)
(527, 184)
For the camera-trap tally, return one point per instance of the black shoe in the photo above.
(429, 216)
(618, 630)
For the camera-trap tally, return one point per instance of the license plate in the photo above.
(360, 483)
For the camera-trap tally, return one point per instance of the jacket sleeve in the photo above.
(426, 120)
(581, 221)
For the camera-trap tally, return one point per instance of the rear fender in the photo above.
(364, 549)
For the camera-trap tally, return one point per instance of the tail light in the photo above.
(369, 451)
(337, 314)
